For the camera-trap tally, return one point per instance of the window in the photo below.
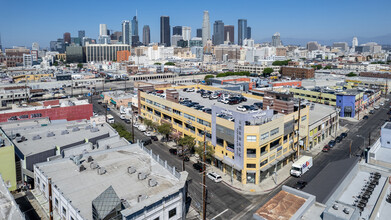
(264, 136)
(189, 117)
(172, 213)
(263, 150)
(200, 121)
(251, 138)
(274, 131)
(157, 218)
(72, 218)
(56, 202)
(219, 141)
(251, 165)
(304, 118)
(177, 112)
(264, 162)
(252, 153)
(64, 211)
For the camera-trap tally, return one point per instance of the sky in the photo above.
(24, 21)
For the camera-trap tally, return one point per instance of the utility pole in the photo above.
(106, 110)
(204, 180)
(298, 131)
(71, 86)
(350, 149)
(132, 127)
(369, 139)
(103, 82)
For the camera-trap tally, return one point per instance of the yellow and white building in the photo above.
(250, 148)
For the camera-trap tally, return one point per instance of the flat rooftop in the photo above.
(8, 207)
(39, 138)
(282, 206)
(207, 103)
(83, 187)
(319, 111)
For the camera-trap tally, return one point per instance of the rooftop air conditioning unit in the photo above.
(94, 165)
(64, 132)
(152, 182)
(75, 129)
(50, 134)
(140, 198)
(89, 159)
(101, 170)
(131, 170)
(335, 206)
(81, 168)
(142, 176)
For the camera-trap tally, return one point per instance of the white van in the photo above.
(110, 119)
(215, 177)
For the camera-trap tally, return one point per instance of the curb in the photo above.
(260, 192)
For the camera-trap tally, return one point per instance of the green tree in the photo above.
(67, 65)
(280, 62)
(164, 129)
(243, 73)
(148, 123)
(267, 71)
(351, 74)
(208, 77)
(122, 132)
(187, 143)
(169, 64)
(80, 65)
(317, 67)
(327, 67)
(55, 63)
(157, 64)
(199, 150)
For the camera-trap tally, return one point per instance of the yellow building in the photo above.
(250, 148)
(61, 56)
(314, 96)
(32, 77)
(7, 162)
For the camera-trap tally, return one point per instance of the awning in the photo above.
(114, 102)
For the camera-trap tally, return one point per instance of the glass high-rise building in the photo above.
(165, 36)
(248, 33)
(205, 28)
(242, 30)
(177, 30)
(199, 32)
(276, 41)
(134, 26)
(218, 32)
(146, 35)
(126, 32)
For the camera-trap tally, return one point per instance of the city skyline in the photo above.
(342, 25)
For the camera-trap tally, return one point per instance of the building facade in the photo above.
(126, 32)
(229, 33)
(218, 32)
(242, 30)
(165, 36)
(104, 52)
(205, 28)
(298, 73)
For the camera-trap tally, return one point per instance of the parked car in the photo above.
(332, 143)
(259, 104)
(214, 176)
(207, 110)
(300, 184)
(381, 103)
(338, 139)
(190, 90)
(154, 138)
(225, 101)
(326, 148)
(127, 121)
(148, 133)
(376, 107)
(365, 117)
(147, 142)
(122, 116)
(213, 96)
(241, 108)
(198, 166)
(372, 111)
(173, 151)
(344, 135)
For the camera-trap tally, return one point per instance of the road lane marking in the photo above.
(219, 214)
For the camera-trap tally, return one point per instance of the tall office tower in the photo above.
(126, 32)
(80, 35)
(199, 32)
(1, 46)
(35, 46)
(146, 35)
(102, 29)
(134, 26)
(205, 28)
(165, 31)
(242, 30)
(276, 41)
(229, 33)
(108, 32)
(218, 32)
(186, 33)
(248, 33)
(67, 38)
(177, 30)
(354, 42)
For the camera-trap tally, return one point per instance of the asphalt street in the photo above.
(226, 203)
(222, 201)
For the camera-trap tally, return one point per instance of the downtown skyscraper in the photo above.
(134, 27)
(242, 30)
(229, 33)
(126, 32)
(146, 35)
(218, 32)
(205, 28)
(165, 37)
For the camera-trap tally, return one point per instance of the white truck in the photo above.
(301, 166)
(110, 119)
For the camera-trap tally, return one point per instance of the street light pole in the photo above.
(204, 180)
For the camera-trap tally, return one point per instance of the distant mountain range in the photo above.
(383, 40)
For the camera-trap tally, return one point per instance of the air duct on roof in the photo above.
(142, 176)
(50, 134)
(75, 129)
(36, 137)
(101, 170)
(64, 132)
(152, 182)
(131, 170)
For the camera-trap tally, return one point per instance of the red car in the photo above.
(159, 91)
(326, 148)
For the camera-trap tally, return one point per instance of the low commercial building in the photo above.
(75, 54)
(38, 77)
(104, 52)
(63, 109)
(128, 182)
(248, 146)
(379, 153)
(118, 99)
(244, 83)
(258, 69)
(350, 101)
(370, 83)
(297, 72)
(36, 140)
(323, 123)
